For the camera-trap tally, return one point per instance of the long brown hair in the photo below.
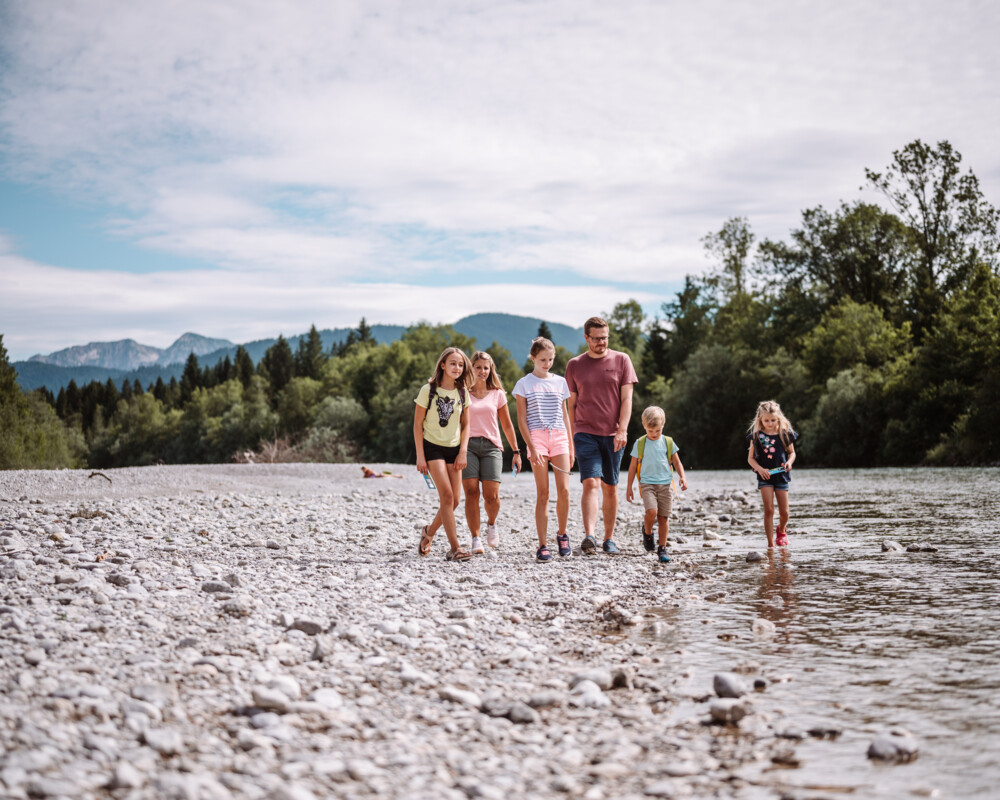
(465, 380)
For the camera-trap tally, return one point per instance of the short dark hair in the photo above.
(594, 322)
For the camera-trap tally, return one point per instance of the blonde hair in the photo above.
(464, 381)
(653, 417)
(771, 407)
(492, 380)
(540, 343)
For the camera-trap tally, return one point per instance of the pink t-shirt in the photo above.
(597, 383)
(483, 415)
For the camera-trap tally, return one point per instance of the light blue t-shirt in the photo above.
(655, 466)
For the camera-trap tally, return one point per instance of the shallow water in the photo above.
(867, 640)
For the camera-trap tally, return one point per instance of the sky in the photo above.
(243, 169)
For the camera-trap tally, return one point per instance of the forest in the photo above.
(876, 325)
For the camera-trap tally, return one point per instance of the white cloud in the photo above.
(305, 144)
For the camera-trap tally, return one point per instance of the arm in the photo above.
(791, 458)
(624, 415)
(756, 467)
(633, 467)
(569, 433)
(419, 412)
(462, 459)
(522, 425)
(571, 411)
(679, 469)
(508, 429)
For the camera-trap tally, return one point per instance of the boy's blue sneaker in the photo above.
(647, 538)
(588, 546)
(563, 542)
(661, 553)
(610, 547)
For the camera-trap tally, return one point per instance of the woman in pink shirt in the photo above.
(487, 413)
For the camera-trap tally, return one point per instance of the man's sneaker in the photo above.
(477, 545)
(563, 541)
(543, 554)
(492, 536)
(647, 538)
(610, 547)
(781, 537)
(661, 553)
(588, 546)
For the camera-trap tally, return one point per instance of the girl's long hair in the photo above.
(464, 382)
(771, 407)
(492, 380)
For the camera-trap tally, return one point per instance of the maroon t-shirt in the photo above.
(597, 383)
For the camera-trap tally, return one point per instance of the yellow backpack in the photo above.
(642, 449)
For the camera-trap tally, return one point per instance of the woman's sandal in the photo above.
(424, 548)
(458, 555)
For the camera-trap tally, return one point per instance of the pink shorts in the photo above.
(550, 442)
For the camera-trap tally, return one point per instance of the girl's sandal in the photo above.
(458, 555)
(424, 548)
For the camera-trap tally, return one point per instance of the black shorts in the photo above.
(437, 452)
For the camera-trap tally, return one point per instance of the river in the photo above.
(864, 640)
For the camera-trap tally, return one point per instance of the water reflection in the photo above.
(870, 640)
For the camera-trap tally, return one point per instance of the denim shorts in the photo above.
(597, 457)
(485, 460)
(779, 482)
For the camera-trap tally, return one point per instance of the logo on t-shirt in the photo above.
(445, 407)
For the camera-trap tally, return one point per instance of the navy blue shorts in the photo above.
(779, 482)
(597, 457)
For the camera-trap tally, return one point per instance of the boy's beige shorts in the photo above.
(657, 495)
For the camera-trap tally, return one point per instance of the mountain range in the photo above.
(129, 360)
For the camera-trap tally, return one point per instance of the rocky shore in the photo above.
(269, 631)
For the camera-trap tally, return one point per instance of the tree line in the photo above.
(876, 326)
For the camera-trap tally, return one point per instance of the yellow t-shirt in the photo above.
(443, 425)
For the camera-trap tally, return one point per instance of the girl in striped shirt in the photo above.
(544, 424)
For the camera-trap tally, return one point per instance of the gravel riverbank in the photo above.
(269, 631)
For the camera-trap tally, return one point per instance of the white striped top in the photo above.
(543, 400)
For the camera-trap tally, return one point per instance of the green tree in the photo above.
(544, 330)
(730, 246)
(243, 366)
(277, 365)
(625, 327)
(191, 378)
(954, 226)
(309, 357)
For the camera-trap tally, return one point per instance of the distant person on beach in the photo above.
(654, 461)
(542, 419)
(771, 455)
(488, 412)
(600, 405)
(441, 436)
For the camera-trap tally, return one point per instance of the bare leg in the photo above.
(471, 487)
(610, 509)
(588, 504)
(449, 485)
(541, 474)
(767, 495)
(648, 521)
(562, 491)
(782, 500)
(664, 523)
(491, 499)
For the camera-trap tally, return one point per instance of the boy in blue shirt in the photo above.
(654, 459)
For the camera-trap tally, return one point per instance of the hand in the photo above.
(628, 494)
(516, 461)
(536, 458)
(684, 484)
(787, 466)
(422, 466)
(461, 461)
(764, 474)
(621, 437)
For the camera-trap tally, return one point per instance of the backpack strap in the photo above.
(642, 449)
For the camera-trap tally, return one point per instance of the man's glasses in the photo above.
(598, 338)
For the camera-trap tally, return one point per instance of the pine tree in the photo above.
(191, 378)
(277, 365)
(545, 330)
(243, 366)
(309, 357)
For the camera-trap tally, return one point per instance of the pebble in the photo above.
(896, 746)
(728, 684)
(336, 662)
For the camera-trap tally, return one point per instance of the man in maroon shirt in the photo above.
(600, 404)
